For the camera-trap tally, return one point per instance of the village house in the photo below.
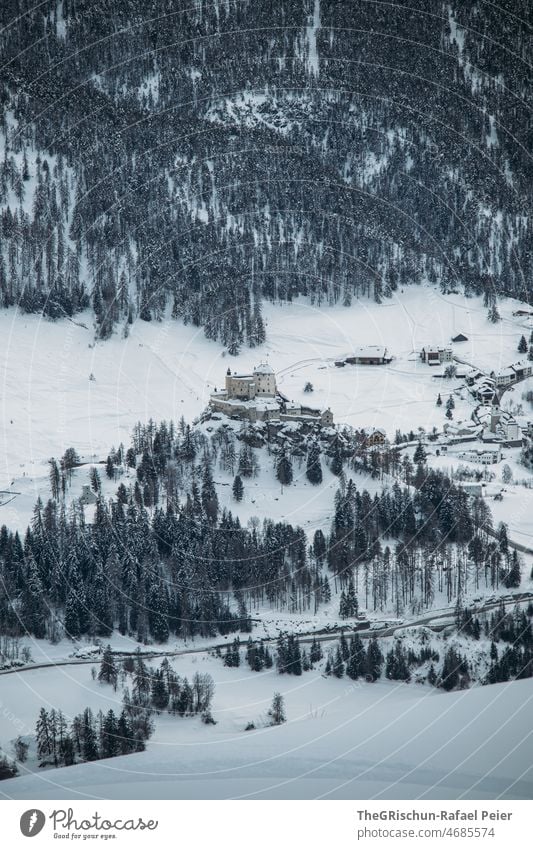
(512, 374)
(375, 437)
(484, 390)
(486, 456)
(369, 355)
(475, 490)
(460, 338)
(435, 356)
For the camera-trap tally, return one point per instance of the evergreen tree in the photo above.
(284, 467)
(108, 670)
(420, 455)
(111, 743)
(90, 747)
(238, 488)
(314, 469)
(522, 345)
(374, 660)
(277, 710)
(160, 694)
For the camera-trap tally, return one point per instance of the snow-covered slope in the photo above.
(342, 740)
(165, 370)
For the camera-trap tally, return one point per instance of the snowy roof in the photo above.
(263, 368)
(368, 351)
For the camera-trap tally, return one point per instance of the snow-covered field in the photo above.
(343, 739)
(164, 370)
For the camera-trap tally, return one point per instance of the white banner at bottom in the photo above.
(264, 824)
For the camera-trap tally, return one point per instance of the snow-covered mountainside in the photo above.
(266, 399)
(209, 156)
(167, 554)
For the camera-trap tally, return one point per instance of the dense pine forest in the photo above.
(204, 156)
(162, 557)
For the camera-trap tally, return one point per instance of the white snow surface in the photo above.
(343, 739)
(164, 370)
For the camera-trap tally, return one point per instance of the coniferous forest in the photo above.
(161, 557)
(202, 157)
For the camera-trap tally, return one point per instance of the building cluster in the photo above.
(485, 388)
(255, 397)
(482, 441)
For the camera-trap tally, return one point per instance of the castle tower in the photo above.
(265, 380)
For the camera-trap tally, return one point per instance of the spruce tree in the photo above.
(111, 744)
(284, 467)
(108, 670)
(238, 488)
(89, 747)
(314, 469)
(277, 710)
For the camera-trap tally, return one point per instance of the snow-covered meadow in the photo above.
(342, 739)
(164, 370)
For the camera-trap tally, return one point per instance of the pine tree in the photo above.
(316, 651)
(314, 469)
(374, 660)
(108, 670)
(439, 400)
(338, 665)
(277, 710)
(89, 747)
(284, 467)
(160, 694)
(522, 345)
(44, 738)
(72, 615)
(111, 743)
(336, 459)
(238, 488)
(493, 314)
(420, 455)
(209, 495)
(432, 676)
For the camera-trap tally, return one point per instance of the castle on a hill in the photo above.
(249, 386)
(255, 397)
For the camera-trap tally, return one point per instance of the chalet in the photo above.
(369, 355)
(522, 312)
(475, 490)
(460, 338)
(472, 375)
(375, 437)
(435, 356)
(484, 390)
